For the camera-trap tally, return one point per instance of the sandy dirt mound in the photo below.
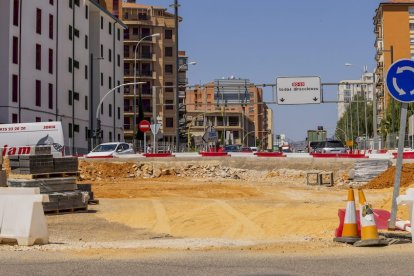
(386, 179)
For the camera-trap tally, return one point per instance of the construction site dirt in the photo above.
(207, 205)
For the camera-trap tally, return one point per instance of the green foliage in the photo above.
(354, 115)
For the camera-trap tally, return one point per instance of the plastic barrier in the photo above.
(406, 154)
(269, 154)
(381, 219)
(338, 155)
(408, 199)
(21, 216)
(212, 154)
(158, 155)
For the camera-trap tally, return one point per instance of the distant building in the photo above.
(349, 89)
(394, 31)
(234, 107)
(49, 48)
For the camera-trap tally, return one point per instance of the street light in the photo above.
(135, 93)
(98, 117)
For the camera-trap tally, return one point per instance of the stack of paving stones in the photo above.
(55, 177)
(3, 176)
(365, 170)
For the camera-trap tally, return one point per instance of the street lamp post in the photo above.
(135, 94)
(98, 117)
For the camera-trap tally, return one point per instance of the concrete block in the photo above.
(22, 218)
(408, 200)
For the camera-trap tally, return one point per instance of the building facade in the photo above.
(394, 31)
(234, 107)
(53, 53)
(151, 32)
(349, 89)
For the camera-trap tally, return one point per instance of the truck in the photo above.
(314, 137)
(20, 138)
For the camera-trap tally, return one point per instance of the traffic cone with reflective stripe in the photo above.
(350, 229)
(369, 231)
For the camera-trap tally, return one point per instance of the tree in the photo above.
(353, 121)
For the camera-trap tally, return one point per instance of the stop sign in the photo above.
(144, 126)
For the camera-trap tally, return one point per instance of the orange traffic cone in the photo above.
(369, 231)
(350, 229)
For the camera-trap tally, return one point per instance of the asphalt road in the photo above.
(210, 263)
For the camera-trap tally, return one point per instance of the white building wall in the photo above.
(78, 114)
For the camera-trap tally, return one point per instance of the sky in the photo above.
(264, 39)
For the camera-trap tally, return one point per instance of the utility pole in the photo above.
(177, 97)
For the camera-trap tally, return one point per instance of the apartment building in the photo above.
(58, 59)
(394, 31)
(349, 89)
(234, 107)
(151, 32)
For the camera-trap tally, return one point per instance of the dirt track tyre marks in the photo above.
(162, 224)
(242, 222)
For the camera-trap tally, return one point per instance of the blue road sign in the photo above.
(400, 80)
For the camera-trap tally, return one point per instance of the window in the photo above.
(119, 88)
(86, 133)
(70, 128)
(38, 57)
(118, 60)
(50, 61)
(38, 93)
(77, 3)
(70, 3)
(168, 51)
(411, 26)
(38, 119)
(86, 103)
(101, 23)
(110, 136)
(168, 34)
(110, 28)
(169, 104)
(50, 26)
(101, 51)
(50, 98)
(101, 79)
(70, 65)
(39, 21)
(51, 2)
(76, 64)
(109, 82)
(86, 11)
(135, 31)
(16, 12)
(168, 69)
(70, 32)
(110, 55)
(76, 32)
(411, 41)
(169, 86)
(15, 85)
(126, 51)
(110, 110)
(14, 118)
(102, 111)
(86, 72)
(118, 34)
(169, 122)
(86, 42)
(411, 10)
(76, 96)
(119, 113)
(15, 50)
(70, 100)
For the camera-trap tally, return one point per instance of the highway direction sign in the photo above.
(400, 80)
(298, 90)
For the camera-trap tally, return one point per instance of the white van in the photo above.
(17, 139)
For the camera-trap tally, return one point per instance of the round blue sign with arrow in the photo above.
(400, 80)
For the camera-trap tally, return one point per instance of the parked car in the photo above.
(107, 150)
(232, 148)
(246, 149)
(333, 146)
